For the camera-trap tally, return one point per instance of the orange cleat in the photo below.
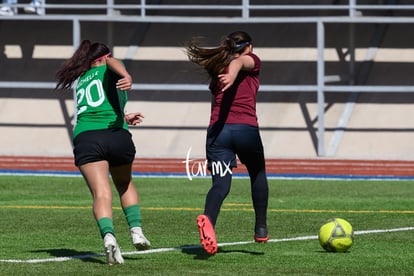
(207, 234)
(261, 235)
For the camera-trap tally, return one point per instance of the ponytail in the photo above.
(79, 63)
(215, 60)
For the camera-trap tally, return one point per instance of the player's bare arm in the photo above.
(134, 118)
(244, 62)
(124, 83)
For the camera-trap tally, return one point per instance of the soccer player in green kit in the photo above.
(103, 145)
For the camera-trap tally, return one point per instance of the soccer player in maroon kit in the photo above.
(233, 130)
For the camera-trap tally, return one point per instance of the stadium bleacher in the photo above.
(357, 124)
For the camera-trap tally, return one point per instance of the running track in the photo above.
(276, 168)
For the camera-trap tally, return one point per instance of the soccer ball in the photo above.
(336, 235)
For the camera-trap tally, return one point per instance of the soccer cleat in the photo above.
(7, 11)
(35, 7)
(112, 250)
(261, 234)
(138, 239)
(207, 234)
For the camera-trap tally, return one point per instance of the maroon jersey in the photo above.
(237, 105)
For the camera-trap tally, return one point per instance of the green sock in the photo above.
(133, 215)
(106, 225)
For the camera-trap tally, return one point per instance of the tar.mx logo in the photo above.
(198, 167)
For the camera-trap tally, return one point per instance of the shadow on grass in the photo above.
(200, 254)
(64, 253)
(332, 252)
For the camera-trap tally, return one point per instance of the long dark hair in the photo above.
(215, 60)
(79, 63)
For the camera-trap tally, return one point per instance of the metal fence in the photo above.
(245, 14)
(241, 8)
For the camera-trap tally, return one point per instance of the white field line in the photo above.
(160, 250)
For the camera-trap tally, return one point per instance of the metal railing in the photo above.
(320, 87)
(242, 9)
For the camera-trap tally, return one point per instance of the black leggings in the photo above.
(223, 143)
(221, 188)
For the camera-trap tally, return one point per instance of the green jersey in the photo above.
(100, 105)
